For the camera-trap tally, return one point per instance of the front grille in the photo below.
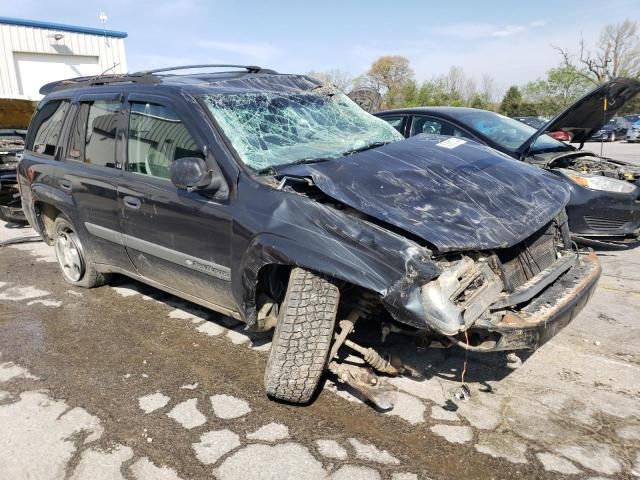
(525, 260)
(602, 223)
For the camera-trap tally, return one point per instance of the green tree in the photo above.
(408, 95)
(562, 87)
(528, 109)
(388, 75)
(478, 101)
(389, 72)
(511, 101)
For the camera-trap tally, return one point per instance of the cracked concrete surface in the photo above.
(127, 382)
(187, 414)
(152, 402)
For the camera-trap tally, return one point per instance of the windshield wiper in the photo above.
(303, 161)
(366, 147)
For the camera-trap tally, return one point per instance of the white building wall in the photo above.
(105, 51)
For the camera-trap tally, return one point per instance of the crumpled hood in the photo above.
(468, 197)
(587, 115)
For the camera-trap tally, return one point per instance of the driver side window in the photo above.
(157, 137)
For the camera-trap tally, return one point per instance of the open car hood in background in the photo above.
(456, 194)
(587, 115)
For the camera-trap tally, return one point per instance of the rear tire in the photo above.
(77, 269)
(302, 337)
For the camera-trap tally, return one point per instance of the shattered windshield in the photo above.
(270, 129)
(509, 133)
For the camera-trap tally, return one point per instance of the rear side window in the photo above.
(100, 138)
(44, 131)
(157, 137)
(92, 137)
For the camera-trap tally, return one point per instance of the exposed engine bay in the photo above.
(589, 163)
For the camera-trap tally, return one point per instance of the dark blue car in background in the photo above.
(604, 209)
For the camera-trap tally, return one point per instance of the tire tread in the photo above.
(302, 338)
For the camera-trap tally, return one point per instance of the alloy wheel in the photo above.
(69, 256)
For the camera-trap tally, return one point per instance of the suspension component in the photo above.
(373, 358)
(362, 308)
(346, 327)
(365, 382)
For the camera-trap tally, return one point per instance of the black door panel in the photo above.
(94, 193)
(178, 238)
(90, 170)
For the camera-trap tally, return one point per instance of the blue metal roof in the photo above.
(62, 27)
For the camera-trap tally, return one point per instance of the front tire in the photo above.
(612, 137)
(76, 268)
(302, 337)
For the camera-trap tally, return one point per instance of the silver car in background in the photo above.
(633, 132)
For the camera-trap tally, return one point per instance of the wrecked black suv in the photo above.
(277, 201)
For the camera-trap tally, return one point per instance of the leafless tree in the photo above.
(342, 80)
(457, 85)
(488, 88)
(454, 82)
(617, 53)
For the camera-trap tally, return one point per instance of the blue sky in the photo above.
(510, 40)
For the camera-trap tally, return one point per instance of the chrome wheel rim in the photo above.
(69, 256)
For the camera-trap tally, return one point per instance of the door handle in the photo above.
(132, 202)
(66, 185)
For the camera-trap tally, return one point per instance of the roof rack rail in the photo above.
(249, 68)
(144, 76)
(97, 80)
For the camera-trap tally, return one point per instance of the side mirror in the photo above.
(192, 173)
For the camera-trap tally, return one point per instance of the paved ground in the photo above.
(127, 382)
(629, 152)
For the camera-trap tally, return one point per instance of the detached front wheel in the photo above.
(76, 268)
(302, 337)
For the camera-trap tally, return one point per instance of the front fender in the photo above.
(391, 273)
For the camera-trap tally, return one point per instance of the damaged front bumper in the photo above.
(530, 326)
(512, 298)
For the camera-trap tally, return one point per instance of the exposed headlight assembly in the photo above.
(460, 295)
(599, 182)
